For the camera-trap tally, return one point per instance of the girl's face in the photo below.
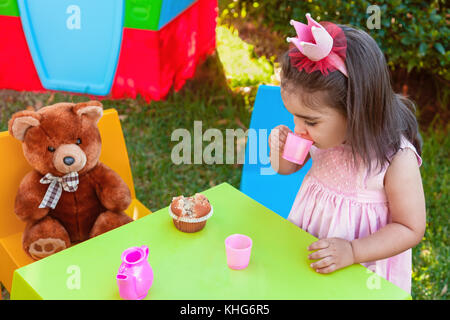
(324, 125)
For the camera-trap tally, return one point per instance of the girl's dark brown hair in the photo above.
(376, 116)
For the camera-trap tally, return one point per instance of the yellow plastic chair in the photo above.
(13, 167)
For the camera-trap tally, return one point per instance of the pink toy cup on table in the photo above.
(296, 148)
(238, 248)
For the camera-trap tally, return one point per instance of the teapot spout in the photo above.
(127, 287)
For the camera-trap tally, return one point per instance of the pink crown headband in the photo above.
(321, 46)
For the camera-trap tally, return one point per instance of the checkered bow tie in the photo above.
(68, 182)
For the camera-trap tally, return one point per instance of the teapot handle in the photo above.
(145, 249)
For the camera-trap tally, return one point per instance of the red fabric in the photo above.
(17, 69)
(150, 62)
(301, 62)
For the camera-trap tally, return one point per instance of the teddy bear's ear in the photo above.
(21, 121)
(91, 109)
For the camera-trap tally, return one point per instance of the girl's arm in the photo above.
(406, 226)
(404, 230)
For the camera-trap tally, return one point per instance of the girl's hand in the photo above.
(334, 254)
(277, 138)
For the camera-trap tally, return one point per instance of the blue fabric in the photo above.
(170, 9)
(259, 181)
(75, 45)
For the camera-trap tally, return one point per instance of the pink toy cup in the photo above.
(238, 248)
(296, 148)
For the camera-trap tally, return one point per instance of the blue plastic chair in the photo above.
(259, 181)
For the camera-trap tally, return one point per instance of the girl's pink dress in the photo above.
(338, 201)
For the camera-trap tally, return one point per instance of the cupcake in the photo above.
(190, 214)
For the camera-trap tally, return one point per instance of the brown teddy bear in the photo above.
(69, 196)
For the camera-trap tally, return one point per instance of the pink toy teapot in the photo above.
(135, 276)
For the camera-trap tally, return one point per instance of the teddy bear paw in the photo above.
(42, 248)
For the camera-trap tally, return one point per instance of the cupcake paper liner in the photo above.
(189, 227)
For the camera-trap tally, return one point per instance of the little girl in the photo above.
(363, 196)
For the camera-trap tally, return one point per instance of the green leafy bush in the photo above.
(413, 34)
(241, 66)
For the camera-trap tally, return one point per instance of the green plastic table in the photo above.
(193, 266)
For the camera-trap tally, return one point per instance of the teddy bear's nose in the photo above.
(68, 160)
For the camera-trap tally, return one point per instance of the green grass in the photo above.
(214, 96)
(148, 129)
(431, 256)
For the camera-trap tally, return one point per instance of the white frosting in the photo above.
(186, 205)
(190, 220)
